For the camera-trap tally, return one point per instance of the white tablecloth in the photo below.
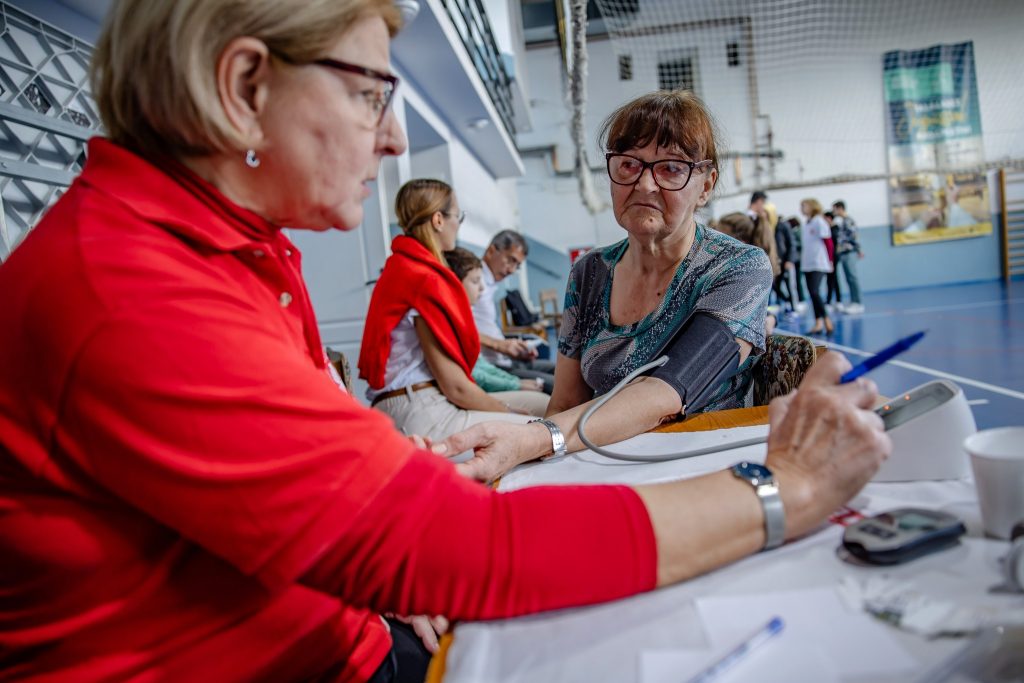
(612, 642)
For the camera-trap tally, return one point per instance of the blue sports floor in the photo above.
(975, 338)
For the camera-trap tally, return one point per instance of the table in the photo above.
(606, 642)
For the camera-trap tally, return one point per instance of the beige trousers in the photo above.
(428, 413)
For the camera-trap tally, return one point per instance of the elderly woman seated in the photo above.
(671, 286)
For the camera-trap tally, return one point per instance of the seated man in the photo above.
(504, 255)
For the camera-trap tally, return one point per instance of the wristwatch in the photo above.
(763, 481)
(557, 438)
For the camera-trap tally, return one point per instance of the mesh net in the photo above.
(802, 90)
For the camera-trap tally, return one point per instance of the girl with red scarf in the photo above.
(420, 342)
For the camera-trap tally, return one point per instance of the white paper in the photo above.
(774, 662)
(853, 642)
(587, 467)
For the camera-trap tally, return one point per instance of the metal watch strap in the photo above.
(767, 490)
(774, 515)
(557, 438)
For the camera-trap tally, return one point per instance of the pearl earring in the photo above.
(250, 159)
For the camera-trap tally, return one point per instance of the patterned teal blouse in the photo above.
(720, 276)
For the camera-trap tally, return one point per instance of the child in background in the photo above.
(468, 268)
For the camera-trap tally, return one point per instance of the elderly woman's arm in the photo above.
(642, 405)
(570, 388)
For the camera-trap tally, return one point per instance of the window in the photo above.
(625, 67)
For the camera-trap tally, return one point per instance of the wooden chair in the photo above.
(510, 329)
(340, 363)
(549, 300)
(785, 361)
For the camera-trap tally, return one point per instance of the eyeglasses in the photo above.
(460, 216)
(377, 100)
(510, 261)
(668, 174)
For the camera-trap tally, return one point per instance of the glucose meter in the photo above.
(901, 535)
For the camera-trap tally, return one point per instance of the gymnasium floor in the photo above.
(975, 338)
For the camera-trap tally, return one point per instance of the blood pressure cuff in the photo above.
(702, 354)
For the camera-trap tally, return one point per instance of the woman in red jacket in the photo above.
(185, 494)
(420, 342)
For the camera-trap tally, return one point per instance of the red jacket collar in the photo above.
(174, 197)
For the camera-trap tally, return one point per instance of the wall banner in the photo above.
(933, 121)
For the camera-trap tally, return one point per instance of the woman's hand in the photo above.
(498, 447)
(518, 349)
(427, 628)
(531, 384)
(425, 443)
(825, 442)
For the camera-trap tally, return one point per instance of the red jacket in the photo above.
(186, 495)
(413, 278)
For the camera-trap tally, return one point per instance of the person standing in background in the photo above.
(832, 293)
(789, 256)
(815, 261)
(756, 209)
(848, 252)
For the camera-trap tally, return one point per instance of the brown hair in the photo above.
(462, 261)
(672, 118)
(154, 68)
(417, 202)
(758, 233)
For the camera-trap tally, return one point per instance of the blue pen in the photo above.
(882, 356)
(763, 635)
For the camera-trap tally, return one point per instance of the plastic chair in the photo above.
(785, 361)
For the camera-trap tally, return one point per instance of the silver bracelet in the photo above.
(557, 438)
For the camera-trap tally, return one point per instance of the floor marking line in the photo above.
(936, 373)
(936, 309)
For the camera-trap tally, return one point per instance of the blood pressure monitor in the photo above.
(901, 535)
(927, 425)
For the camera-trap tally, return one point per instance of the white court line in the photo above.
(936, 373)
(937, 309)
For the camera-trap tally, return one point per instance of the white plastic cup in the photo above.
(997, 459)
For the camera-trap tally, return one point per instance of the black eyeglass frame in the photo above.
(391, 80)
(699, 165)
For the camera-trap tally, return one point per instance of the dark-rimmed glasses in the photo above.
(668, 174)
(378, 100)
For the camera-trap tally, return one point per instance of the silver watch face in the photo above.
(753, 472)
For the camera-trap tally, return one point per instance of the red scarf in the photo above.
(413, 278)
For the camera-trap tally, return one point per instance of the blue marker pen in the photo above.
(882, 356)
(763, 635)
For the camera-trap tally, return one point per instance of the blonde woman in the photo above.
(814, 261)
(227, 514)
(420, 342)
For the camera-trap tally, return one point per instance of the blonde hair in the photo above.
(814, 205)
(417, 202)
(154, 68)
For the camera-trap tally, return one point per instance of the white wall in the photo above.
(826, 110)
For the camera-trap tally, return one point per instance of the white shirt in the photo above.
(485, 315)
(406, 363)
(814, 253)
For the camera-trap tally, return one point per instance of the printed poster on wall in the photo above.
(934, 122)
